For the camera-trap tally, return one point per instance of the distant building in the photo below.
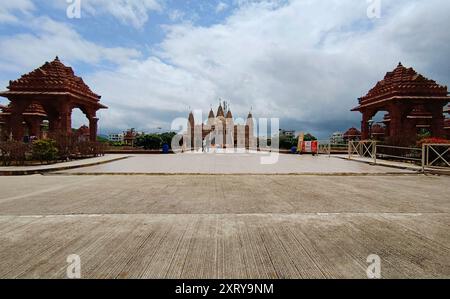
(130, 136)
(287, 133)
(83, 133)
(116, 137)
(337, 138)
(377, 132)
(352, 134)
(220, 131)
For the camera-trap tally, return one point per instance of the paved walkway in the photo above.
(234, 164)
(225, 226)
(381, 162)
(25, 170)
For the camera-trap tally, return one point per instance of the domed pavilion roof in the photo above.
(403, 82)
(52, 78)
(352, 132)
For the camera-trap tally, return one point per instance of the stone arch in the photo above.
(77, 112)
(381, 117)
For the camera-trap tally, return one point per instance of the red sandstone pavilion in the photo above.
(50, 92)
(411, 102)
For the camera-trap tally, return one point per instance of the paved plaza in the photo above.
(242, 163)
(225, 226)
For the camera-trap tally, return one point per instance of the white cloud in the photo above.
(176, 15)
(131, 12)
(146, 94)
(9, 10)
(221, 6)
(303, 61)
(309, 60)
(50, 38)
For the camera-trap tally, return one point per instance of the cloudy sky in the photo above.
(303, 61)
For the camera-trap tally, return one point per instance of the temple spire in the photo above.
(220, 111)
(191, 120)
(211, 113)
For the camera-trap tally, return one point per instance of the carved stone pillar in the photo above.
(16, 120)
(366, 117)
(54, 124)
(437, 126)
(395, 126)
(66, 119)
(93, 123)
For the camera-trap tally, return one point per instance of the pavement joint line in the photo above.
(234, 174)
(320, 214)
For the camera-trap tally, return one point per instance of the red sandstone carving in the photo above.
(51, 91)
(412, 102)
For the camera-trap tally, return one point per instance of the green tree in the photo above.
(44, 150)
(149, 141)
(309, 137)
(166, 138)
(288, 142)
(423, 134)
(102, 139)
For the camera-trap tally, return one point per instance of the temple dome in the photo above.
(33, 109)
(352, 133)
(53, 77)
(404, 81)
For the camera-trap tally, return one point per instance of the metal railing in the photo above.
(429, 156)
(406, 154)
(324, 147)
(365, 149)
(435, 156)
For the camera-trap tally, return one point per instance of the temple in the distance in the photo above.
(220, 131)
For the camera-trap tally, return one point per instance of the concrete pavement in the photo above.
(225, 226)
(250, 163)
